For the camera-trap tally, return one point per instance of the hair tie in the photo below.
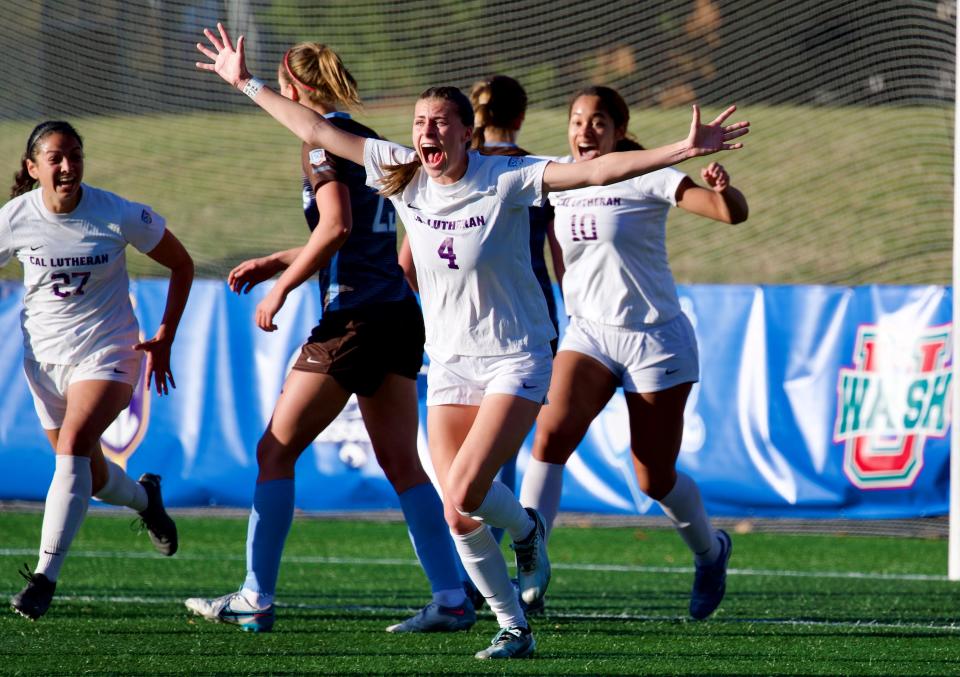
(286, 66)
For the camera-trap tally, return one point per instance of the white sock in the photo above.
(541, 489)
(483, 560)
(63, 512)
(500, 508)
(684, 507)
(121, 489)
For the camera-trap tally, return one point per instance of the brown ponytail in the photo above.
(398, 177)
(500, 102)
(22, 181)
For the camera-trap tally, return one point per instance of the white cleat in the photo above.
(533, 566)
(235, 610)
(515, 642)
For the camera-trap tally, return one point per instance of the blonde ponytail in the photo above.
(320, 74)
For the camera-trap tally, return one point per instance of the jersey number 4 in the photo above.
(446, 252)
(62, 280)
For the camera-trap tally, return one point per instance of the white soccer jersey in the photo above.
(614, 243)
(77, 297)
(471, 245)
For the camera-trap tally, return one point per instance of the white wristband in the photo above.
(253, 87)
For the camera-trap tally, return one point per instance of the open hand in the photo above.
(228, 62)
(252, 272)
(707, 139)
(158, 363)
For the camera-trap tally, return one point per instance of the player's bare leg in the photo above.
(656, 431)
(391, 416)
(579, 389)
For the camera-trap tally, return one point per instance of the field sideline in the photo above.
(796, 605)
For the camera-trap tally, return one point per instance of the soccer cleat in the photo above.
(34, 600)
(437, 618)
(162, 529)
(515, 642)
(474, 595)
(535, 609)
(235, 610)
(710, 581)
(533, 566)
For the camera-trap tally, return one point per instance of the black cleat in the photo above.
(34, 600)
(162, 529)
(473, 594)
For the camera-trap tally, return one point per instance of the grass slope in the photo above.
(842, 195)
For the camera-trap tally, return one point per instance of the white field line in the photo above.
(559, 566)
(949, 628)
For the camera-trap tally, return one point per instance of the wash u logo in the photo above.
(896, 395)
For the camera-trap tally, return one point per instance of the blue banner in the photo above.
(813, 402)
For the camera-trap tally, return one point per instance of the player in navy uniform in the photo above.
(81, 340)
(368, 342)
(488, 332)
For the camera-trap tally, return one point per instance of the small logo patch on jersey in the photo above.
(515, 161)
(318, 156)
(146, 217)
(33, 249)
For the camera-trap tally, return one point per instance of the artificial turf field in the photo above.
(796, 605)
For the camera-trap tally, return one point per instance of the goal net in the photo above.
(848, 172)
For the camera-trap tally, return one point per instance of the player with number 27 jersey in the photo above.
(459, 238)
(76, 301)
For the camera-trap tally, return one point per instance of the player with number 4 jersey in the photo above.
(488, 333)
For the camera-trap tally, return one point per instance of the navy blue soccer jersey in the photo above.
(365, 269)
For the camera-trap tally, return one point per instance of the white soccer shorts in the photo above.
(49, 382)
(465, 379)
(644, 360)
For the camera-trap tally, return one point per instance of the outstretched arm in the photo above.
(248, 274)
(229, 63)
(616, 167)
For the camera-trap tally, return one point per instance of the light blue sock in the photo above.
(270, 520)
(430, 535)
(508, 476)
